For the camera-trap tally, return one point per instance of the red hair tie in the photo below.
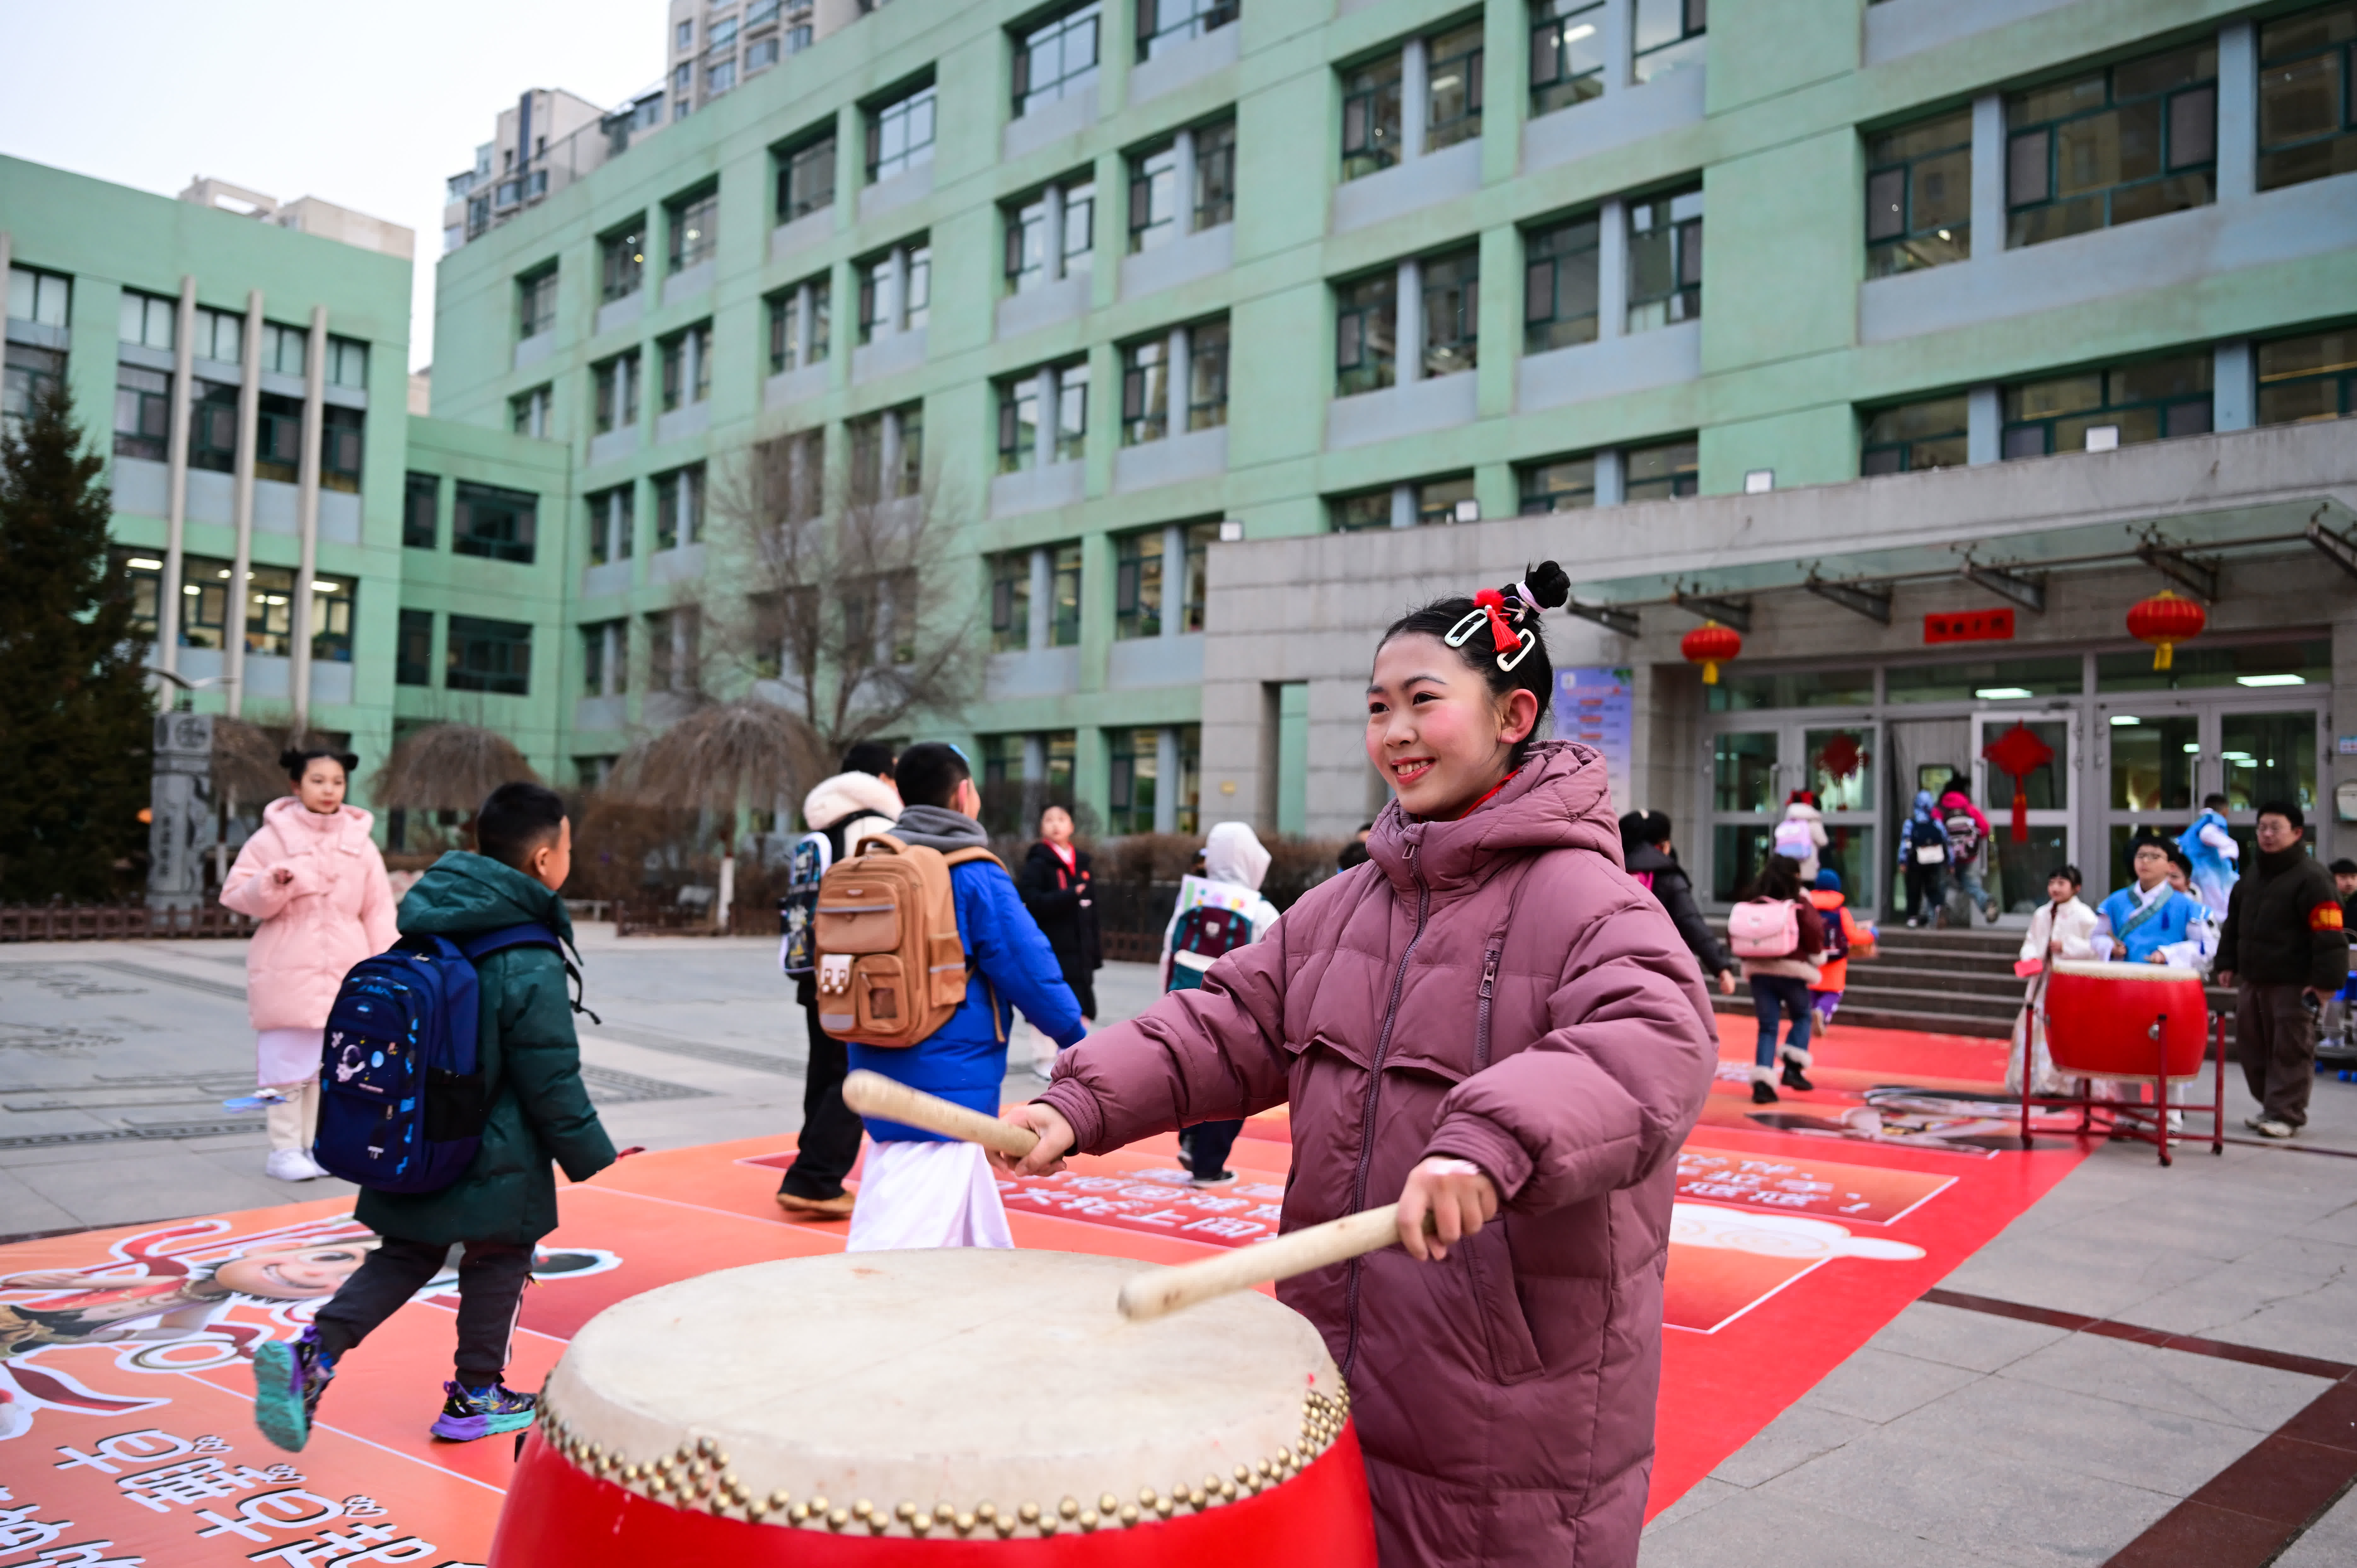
(1501, 630)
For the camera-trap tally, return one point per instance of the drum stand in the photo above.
(2123, 1120)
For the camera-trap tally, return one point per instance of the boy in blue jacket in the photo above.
(919, 1190)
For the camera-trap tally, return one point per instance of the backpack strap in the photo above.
(531, 935)
(968, 855)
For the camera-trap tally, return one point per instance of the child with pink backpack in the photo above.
(1780, 938)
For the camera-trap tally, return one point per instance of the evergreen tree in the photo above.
(76, 731)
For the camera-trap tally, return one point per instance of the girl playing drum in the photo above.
(1493, 1021)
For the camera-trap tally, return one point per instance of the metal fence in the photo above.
(100, 922)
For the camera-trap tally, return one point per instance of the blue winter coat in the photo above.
(2167, 924)
(1011, 967)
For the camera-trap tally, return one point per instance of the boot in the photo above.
(1794, 1061)
(1763, 1086)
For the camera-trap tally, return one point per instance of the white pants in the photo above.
(917, 1193)
(296, 1122)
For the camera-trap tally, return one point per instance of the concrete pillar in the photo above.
(249, 412)
(1403, 505)
(1989, 176)
(895, 290)
(1983, 424)
(1165, 777)
(691, 354)
(1052, 241)
(1174, 578)
(1407, 324)
(306, 513)
(1619, 59)
(1611, 479)
(805, 325)
(1043, 443)
(1612, 261)
(1176, 372)
(1416, 75)
(1034, 759)
(888, 458)
(2233, 390)
(175, 495)
(1183, 150)
(1043, 579)
(2238, 113)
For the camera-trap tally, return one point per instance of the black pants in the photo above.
(1083, 982)
(1927, 890)
(830, 1138)
(1208, 1143)
(491, 1277)
(2274, 1039)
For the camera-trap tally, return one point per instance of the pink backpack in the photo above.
(1765, 929)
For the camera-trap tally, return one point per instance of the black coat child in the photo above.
(1057, 897)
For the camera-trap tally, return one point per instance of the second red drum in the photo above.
(2126, 1020)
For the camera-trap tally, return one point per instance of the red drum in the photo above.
(2101, 1018)
(958, 1407)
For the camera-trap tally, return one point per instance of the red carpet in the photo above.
(1803, 1228)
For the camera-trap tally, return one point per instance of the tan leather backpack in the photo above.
(890, 967)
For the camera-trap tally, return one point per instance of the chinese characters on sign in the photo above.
(1596, 706)
(1851, 1194)
(1969, 625)
(1231, 1217)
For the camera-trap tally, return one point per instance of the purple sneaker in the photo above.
(288, 1383)
(470, 1413)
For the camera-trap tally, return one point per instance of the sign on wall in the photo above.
(1596, 706)
(1969, 625)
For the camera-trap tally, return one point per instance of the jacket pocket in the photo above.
(879, 991)
(1489, 1266)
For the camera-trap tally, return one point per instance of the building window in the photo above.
(877, 309)
(2301, 378)
(1670, 471)
(1146, 391)
(412, 649)
(1366, 510)
(1567, 484)
(342, 438)
(900, 134)
(1215, 174)
(1559, 285)
(270, 614)
(497, 525)
(1452, 311)
(1164, 23)
(1137, 585)
(1567, 53)
(1136, 757)
(283, 348)
(1919, 195)
(1666, 259)
(687, 367)
(612, 524)
(2308, 102)
(143, 413)
(1064, 596)
(593, 661)
(1453, 91)
(528, 412)
(2098, 410)
(421, 499)
(695, 226)
(1028, 238)
(1207, 374)
(622, 261)
(1447, 501)
(45, 299)
(1020, 437)
(221, 336)
(1055, 58)
(1010, 601)
(278, 439)
(1668, 35)
(535, 308)
(679, 507)
(149, 319)
(615, 385)
(213, 426)
(788, 351)
(1153, 196)
(1365, 318)
(204, 589)
(2134, 141)
(30, 373)
(347, 363)
(719, 77)
(805, 179)
(762, 54)
(1371, 116)
(684, 37)
(489, 656)
(1914, 436)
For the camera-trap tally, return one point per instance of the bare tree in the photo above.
(448, 767)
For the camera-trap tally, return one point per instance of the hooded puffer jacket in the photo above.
(335, 909)
(1499, 990)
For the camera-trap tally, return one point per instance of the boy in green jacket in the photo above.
(506, 1201)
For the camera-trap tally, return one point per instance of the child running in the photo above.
(506, 1200)
(1495, 1024)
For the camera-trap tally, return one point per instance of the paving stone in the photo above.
(1753, 1529)
(1877, 1386)
(2092, 1436)
(1979, 1341)
(1798, 1435)
(2206, 1388)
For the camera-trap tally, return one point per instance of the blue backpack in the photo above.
(402, 1093)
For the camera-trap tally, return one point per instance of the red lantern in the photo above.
(1709, 645)
(2019, 752)
(2165, 621)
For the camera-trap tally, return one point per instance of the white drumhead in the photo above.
(2123, 971)
(944, 1381)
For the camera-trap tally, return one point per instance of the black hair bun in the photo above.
(1549, 584)
(295, 759)
(292, 760)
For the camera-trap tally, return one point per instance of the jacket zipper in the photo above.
(1481, 1024)
(1367, 1115)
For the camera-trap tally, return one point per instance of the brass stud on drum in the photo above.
(1029, 1513)
(1129, 1514)
(1088, 1520)
(1070, 1507)
(1108, 1503)
(963, 1524)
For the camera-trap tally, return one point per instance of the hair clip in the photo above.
(1489, 607)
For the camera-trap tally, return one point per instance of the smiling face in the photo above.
(321, 787)
(1435, 732)
(292, 1273)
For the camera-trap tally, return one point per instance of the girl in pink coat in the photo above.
(313, 878)
(1492, 1021)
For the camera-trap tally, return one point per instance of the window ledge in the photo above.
(617, 314)
(1899, 27)
(908, 186)
(601, 714)
(789, 387)
(1197, 455)
(1062, 300)
(1435, 404)
(1175, 66)
(1204, 254)
(1037, 489)
(684, 423)
(688, 281)
(1610, 367)
(1034, 673)
(599, 582)
(888, 356)
(614, 445)
(681, 563)
(1407, 187)
(810, 228)
(1619, 117)
(1145, 662)
(528, 351)
(1067, 116)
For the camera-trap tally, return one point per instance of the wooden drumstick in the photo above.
(1163, 1291)
(873, 1094)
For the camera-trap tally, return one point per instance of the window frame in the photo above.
(1683, 481)
(1360, 511)
(1465, 125)
(902, 109)
(1897, 452)
(2339, 144)
(470, 634)
(2037, 146)
(426, 532)
(622, 261)
(1537, 495)
(414, 634)
(2016, 422)
(1451, 312)
(536, 303)
(1681, 302)
(474, 504)
(814, 154)
(2341, 374)
(1551, 254)
(1555, 26)
(1675, 51)
(1027, 93)
(1154, 34)
(1010, 601)
(691, 230)
(147, 433)
(1372, 90)
(1358, 345)
(1894, 187)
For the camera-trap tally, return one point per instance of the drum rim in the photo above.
(2119, 969)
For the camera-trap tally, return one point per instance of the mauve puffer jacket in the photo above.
(1497, 989)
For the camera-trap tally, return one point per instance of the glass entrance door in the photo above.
(2164, 754)
(1754, 772)
(2015, 872)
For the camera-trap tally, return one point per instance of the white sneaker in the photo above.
(2275, 1129)
(1044, 1074)
(316, 1168)
(289, 1164)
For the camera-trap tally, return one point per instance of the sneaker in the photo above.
(1989, 914)
(1795, 1078)
(1044, 1074)
(796, 1207)
(2272, 1129)
(288, 1383)
(1912, 923)
(289, 1164)
(470, 1413)
(1214, 1180)
(1763, 1094)
(2254, 1122)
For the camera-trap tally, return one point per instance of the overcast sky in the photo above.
(368, 106)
